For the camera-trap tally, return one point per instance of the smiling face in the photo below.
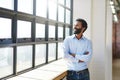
(78, 28)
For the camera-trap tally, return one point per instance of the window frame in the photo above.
(15, 15)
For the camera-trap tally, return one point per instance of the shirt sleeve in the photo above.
(85, 57)
(66, 50)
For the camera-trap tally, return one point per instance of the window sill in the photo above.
(53, 71)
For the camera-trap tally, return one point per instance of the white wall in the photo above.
(98, 38)
(82, 9)
(99, 17)
(108, 45)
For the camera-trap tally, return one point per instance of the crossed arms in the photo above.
(77, 57)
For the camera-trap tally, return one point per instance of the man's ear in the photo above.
(83, 29)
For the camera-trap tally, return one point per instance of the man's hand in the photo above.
(80, 61)
(86, 53)
(72, 54)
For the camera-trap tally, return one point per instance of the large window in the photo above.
(40, 31)
(61, 1)
(24, 29)
(5, 28)
(67, 16)
(7, 4)
(60, 50)
(24, 57)
(25, 6)
(32, 33)
(67, 31)
(60, 14)
(51, 32)
(6, 61)
(40, 54)
(60, 32)
(51, 51)
(52, 10)
(41, 8)
(68, 3)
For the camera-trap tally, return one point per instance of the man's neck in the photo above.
(78, 36)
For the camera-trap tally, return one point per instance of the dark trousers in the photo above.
(80, 75)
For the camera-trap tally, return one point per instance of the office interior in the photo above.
(32, 34)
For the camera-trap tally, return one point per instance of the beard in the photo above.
(77, 31)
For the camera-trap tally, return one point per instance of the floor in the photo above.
(116, 69)
(35, 74)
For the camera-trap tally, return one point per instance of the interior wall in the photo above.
(116, 39)
(97, 65)
(82, 9)
(98, 15)
(108, 69)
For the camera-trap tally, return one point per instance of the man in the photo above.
(77, 52)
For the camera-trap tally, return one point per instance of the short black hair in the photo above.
(84, 23)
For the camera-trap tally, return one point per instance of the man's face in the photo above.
(78, 27)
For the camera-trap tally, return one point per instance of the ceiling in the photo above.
(117, 4)
(117, 7)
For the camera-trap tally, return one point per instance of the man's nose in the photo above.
(75, 26)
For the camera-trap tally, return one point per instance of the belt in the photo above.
(81, 71)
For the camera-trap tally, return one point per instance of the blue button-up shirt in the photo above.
(79, 48)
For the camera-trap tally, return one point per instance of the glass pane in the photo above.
(40, 54)
(6, 62)
(5, 28)
(67, 31)
(68, 3)
(51, 51)
(67, 16)
(40, 30)
(24, 29)
(60, 14)
(60, 50)
(61, 1)
(41, 8)
(25, 8)
(51, 31)
(9, 4)
(52, 10)
(24, 57)
(60, 32)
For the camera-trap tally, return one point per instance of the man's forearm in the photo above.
(73, 55)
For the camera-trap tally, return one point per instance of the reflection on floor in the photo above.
(116, 69)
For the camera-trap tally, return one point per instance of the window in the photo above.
(61, 1)
(51, 31)
(67, 16)
(60, 50)
(24, 57)
(67, 31)
(52, 10)
(60, 14)
(7, 4)
(6, 61)
(5, 28)
(40, 30)
(51, 51)
(25, 6)
(23, 29)
(40, 54)
(68, 3)
(41, 8)
(60, 32)
(34, 33)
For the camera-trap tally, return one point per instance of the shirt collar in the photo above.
(73, 36)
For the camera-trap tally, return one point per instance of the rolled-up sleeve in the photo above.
(85, 57)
